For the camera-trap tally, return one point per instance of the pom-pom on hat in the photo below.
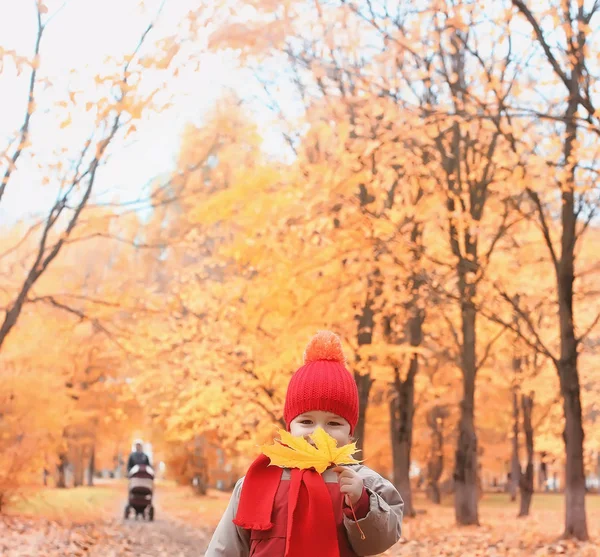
(323, 382)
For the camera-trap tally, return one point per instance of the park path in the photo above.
(163, 537)
(166, 535)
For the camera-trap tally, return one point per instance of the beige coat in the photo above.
(382, 525)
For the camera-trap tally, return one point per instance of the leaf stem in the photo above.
(362, 534)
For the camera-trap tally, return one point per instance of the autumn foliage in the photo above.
(431, 195)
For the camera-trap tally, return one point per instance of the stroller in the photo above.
(141, 487)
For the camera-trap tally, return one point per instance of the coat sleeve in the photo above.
(382, 525)
(230, 540)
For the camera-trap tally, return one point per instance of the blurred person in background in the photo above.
(138, 456)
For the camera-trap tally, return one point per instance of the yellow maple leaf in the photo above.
(297, 452)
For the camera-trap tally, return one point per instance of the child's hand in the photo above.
(351, 484)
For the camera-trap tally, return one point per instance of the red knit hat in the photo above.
(323, 382)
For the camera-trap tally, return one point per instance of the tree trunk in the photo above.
(199, 466)
(526, 479)
(118, 462)
(403, 403)
(576, 79)
(543, 473)
(464, 246)
(364, 382)
(78, 467)
(402, 410)
(200, 485)
(575, 516)
(92, 466)
(433, 493)
(465, 470)
(515, 467)
(61, 469)
(77, 458)
(435, 464)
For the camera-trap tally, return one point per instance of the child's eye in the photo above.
(306, 422)
(335, 424)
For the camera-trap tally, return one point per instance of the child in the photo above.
(277, 512)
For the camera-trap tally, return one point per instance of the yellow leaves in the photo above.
(171, 49)
(370, 147)
(456, 21)
(244, 198)
(66, 123)
(131, 129)
(297, 452)
(249, 37)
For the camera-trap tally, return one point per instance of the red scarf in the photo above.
(311, 527)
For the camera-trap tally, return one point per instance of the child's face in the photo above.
(306, 423)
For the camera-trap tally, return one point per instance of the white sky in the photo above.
(79, 37)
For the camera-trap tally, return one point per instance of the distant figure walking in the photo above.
(138, 456)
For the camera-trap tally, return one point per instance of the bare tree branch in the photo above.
(538, 345)
(43, 258)
(105, 303)
(453, 331)
(27, 234)
(589, 329)
(24, 132)
(82, 316)
(132, 243)
(544, 224)
(522, 7)
(488, 349)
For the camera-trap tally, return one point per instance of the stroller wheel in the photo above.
(151, 513)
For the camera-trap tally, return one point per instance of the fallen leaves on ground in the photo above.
(39, 537)
(185, 522)
(501, 534)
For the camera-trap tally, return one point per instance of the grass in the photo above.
(107, 499)
(183, 504)
(540, 502)
(81, 504)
